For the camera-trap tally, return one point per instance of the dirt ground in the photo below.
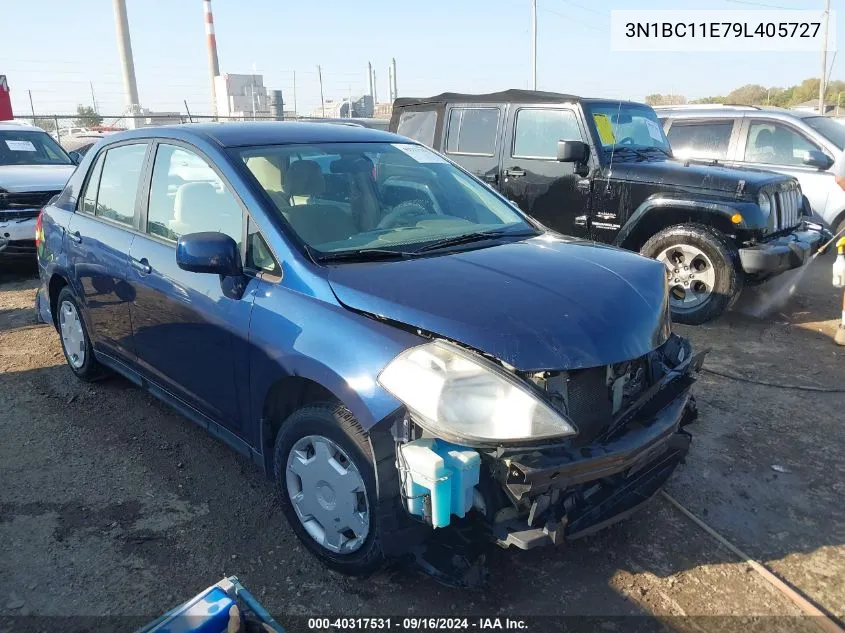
(112, 504)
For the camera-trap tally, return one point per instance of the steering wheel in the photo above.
(628, 140)
(404, 214)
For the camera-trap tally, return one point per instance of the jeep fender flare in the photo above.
(696, 207)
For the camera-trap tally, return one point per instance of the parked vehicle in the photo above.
(398, 346)
(805, 145)
(604, 170)
(81, 143)
(33, 169)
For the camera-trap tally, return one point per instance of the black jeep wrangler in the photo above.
(603, 170)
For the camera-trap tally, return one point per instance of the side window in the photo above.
(121, 172)
(187, 196)
(472, 131)
(88, 202)
(776, 144)
(258, 254)
(538, 131)
(701, 139)
(418, 126)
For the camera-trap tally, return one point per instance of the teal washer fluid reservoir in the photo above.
(446, 472)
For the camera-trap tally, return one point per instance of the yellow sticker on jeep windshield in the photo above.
(605, 128)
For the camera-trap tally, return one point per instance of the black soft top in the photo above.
(505, 96)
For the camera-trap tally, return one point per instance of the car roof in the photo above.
(505, 96)
(18, 125)
(263, 133)
(709, 110)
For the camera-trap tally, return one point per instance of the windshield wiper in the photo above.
(363, 254)
(638, 151)
(468, 238)
(659, 149)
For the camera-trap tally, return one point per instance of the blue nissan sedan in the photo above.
(399, 348)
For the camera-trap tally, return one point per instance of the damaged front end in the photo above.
(587, 447)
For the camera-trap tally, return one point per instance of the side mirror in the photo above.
(817, 158)
(572, 151)
(213, 253)
(76, 157)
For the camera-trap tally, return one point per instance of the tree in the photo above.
(749, 94)
(86, 116)
(46, 124)
(667, 99)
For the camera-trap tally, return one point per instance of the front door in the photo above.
(553, 192)
(98, 240)
(472, 139)
(189, 336)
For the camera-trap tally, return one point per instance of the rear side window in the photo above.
(701, 139)
(418, 126)
(538, 131)
(187, 196)
(472, 131)
(113, 186)
(775, 144)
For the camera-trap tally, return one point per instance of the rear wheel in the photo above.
(702, 266)
(325, 476)
(76, 341)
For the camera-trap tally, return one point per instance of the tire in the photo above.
(713, 278)
(76, 347)
(335, 423)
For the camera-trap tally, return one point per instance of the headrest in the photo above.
(304, 178)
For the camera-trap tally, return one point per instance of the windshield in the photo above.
(30, 147)
(829, 128)
(626, 125)
(378, 197)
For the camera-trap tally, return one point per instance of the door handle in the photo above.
(515, 172)
(142, 266)
(75, 237)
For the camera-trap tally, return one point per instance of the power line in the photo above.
(574, 21)
(761, 4)
(583, 8)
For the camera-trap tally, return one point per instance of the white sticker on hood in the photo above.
(419, 153)
(21, 146)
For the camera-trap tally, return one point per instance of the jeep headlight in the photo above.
(460, 395)
(765, 203)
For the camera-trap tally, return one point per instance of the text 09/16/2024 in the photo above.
(720, 31)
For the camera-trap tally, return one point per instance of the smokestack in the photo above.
(375, 89)
(390, 82)
(124, 48)
(393, 65)
(370, 76)
(211, 40)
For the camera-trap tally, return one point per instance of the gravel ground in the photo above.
(112, 504)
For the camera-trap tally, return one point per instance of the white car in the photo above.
(33, 168)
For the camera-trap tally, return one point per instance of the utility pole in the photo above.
(390, 83)
(534, 44)
(393, 66)
(295, 114)
(824, 57)
(375, 89)
(370, 78)
(31, 107)
(93, 96)
(322, 101)
(213, 64)
(124, 48)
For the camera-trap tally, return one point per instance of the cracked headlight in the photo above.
(459, 395)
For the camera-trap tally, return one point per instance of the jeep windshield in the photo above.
(30, 147)
(351, 201)
(632, 126)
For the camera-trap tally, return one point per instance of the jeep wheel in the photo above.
(702, 266)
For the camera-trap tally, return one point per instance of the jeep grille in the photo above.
(788, 202)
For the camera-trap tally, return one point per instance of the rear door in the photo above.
(473, 139)
(704, 139)
(553, 192)
(189, 336)
(99, 236)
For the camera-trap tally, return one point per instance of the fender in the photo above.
(752, 215)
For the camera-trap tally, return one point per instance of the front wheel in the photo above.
(702, 266)
(325, 476)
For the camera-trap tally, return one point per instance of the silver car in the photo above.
(33, 168)
(805, 145)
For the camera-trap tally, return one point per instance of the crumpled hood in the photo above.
(26, 178)
(695, 175)
(544, 303)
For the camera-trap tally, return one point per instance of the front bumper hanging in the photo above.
(783, 253)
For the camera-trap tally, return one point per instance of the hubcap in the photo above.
(73, 336)
(691, 276)
(328, 493)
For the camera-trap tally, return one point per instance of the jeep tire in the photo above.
(703, 269)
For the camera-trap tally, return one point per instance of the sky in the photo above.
(58, 49)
